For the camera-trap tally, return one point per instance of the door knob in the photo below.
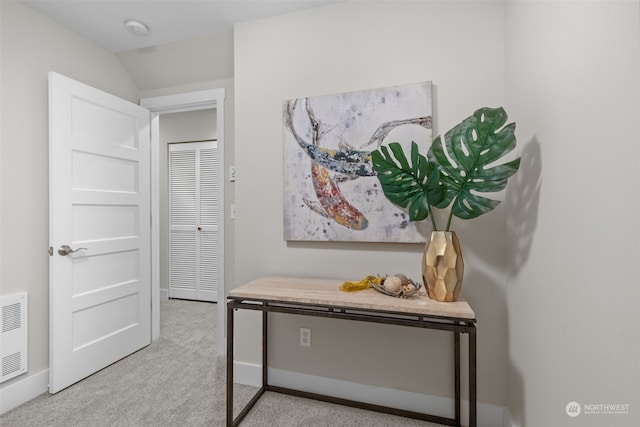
(199, 228)
(65, 250)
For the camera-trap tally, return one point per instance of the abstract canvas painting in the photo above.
(331, 192)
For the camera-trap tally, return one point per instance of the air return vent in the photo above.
(13, 338)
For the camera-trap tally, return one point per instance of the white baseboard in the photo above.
(20, 391)
(251, 374)
(508, 421)
(247, 374)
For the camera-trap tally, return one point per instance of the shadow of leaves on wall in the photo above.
(522, 202)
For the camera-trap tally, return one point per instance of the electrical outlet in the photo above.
(305, 337)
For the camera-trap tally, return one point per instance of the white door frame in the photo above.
(190, 101)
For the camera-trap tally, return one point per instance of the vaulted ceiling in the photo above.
(103, 21)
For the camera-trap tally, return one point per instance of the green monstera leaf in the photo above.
(466, 157)
(456, 170)
(413, 185)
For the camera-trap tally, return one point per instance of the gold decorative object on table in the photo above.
(443, 266)
(351, 286)
(398, 285)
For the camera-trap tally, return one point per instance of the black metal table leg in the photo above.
(231, 422)
(229, 366)
(265, 349)
(473, 415)
(456, 350)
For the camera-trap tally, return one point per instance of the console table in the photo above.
(322, 298)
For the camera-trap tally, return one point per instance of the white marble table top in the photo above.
(327, 292)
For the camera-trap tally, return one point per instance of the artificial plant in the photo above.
(455, 170)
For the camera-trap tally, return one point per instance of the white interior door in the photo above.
(195, 248)
(99, 206)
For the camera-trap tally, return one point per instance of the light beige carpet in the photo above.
(179, 381)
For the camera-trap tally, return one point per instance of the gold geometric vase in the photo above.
(442, 266)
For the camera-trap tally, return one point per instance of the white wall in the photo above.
(350, 46)
(31, 46)
(573, 85)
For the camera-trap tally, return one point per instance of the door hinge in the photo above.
(50, 250)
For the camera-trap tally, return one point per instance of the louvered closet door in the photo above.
(194, 239)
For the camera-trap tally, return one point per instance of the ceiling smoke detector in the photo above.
(136, 27)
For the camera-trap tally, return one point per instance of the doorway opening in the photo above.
(161, 105)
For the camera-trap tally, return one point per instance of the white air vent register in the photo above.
(13, 338)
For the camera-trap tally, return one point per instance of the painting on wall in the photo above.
(331, 192)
